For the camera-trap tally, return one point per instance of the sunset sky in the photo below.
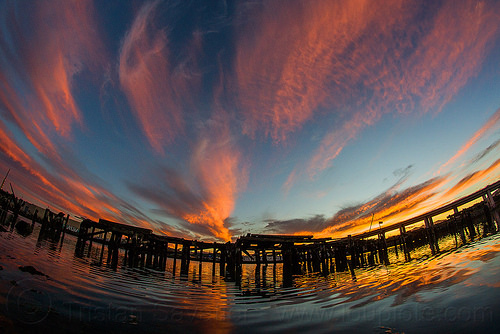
(211, 119)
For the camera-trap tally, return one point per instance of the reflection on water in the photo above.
(454, 291)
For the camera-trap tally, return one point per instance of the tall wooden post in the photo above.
(175, 258)
(231, 259)
(430, 238)
(91, 239)
(222, 260)
(214, 255)
(434, 236)
(286, 252)
(34, 218)
(164, 248)
(402, 235)
(316, 263)
(238, 264)
(200, 259)
(186, 257)
(257, 266)
(102, 247)
(64, 228)
(383, 254)
(324, 260)
(493, 208)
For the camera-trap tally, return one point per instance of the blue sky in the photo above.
(213, 119)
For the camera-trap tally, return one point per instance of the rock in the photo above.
(32, 270)
(23, 228)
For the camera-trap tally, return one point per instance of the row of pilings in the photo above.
(53, 225)
(296, 254)
(118, 244)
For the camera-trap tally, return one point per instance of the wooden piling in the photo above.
(406, 251)
(298, 253)
(185, 257)
(214, 260)
(175, 258)
(222, 260)
(102, 248)
(90, 241)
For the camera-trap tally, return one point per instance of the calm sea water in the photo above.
(455, 291)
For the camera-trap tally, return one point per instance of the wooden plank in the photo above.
(124, 227)
(435, 212)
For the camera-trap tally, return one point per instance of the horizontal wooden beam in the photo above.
(435, 212)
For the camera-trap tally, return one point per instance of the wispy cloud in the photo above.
(60, 190)
(397, 205)
(487, 175)
(156, 87)
(241, 78)
(205, 193)
(486, 128)
(292, 57)
(44, 48)
(39, 61)
(371, 59)
(392, 205)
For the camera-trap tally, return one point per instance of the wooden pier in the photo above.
(297, 254)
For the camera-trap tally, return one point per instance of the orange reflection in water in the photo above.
(407, 280)
(207, 303)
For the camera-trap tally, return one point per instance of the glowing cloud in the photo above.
(219, 169)
(38, 74)
(492, 122)
(416, 71)
(489, 174)
(289, 57)
(206, 195)
(210, 88)
(390, 207)
(155, 88)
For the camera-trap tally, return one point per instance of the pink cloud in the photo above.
(373, 59)
(490, 124)
(156, 89)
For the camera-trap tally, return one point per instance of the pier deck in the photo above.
(298, 254)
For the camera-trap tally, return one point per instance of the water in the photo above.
(455, 291)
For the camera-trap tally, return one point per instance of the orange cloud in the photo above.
(487, 175)
(289, 59)
(451, 51)
(41, 57)
(204, 194)
(12, 150)
(334, 142)
(219, 168)
(406, 67)
(155, 88)
(492, 122)
(390, 207)
(60, 42)
(65, 42)
(70, 194)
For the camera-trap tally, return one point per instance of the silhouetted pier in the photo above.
(298, 254)
(140, 247)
